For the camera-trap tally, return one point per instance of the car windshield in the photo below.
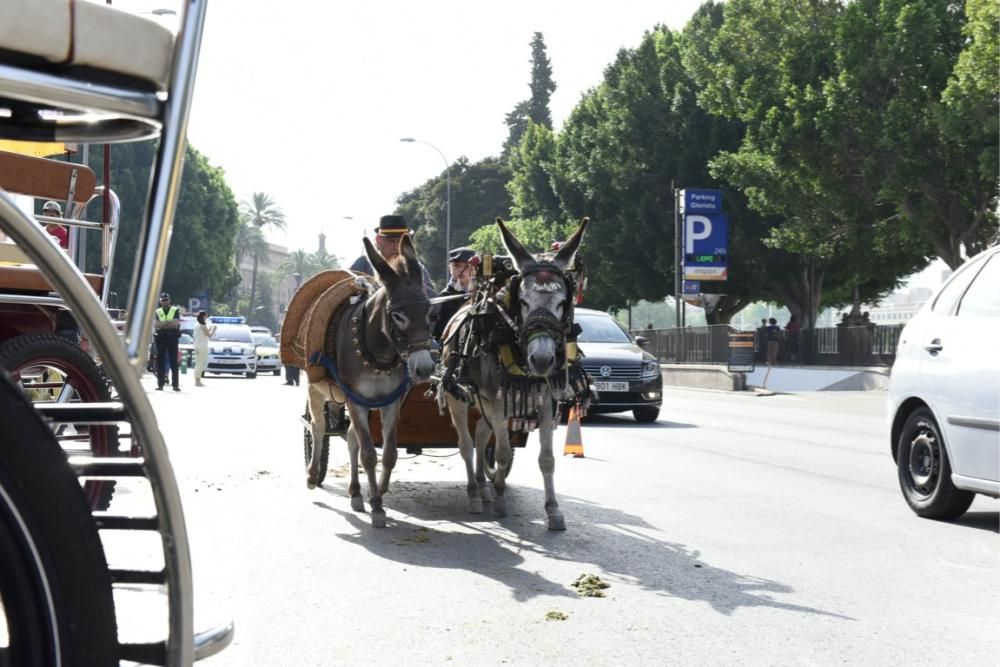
(230, 333)
(600, 329)
(185, 339)
(264, 340)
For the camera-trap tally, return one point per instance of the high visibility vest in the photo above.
(164, 316)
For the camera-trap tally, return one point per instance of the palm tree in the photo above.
(260, 211)
(298, 263)
(323, 261)
(250, 242)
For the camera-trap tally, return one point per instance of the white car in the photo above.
(944, 394)
(231, 350)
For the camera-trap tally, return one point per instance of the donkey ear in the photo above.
(564, 258)
(517, 251)
(385, 272)
(409, 253)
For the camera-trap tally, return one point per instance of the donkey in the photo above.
(381, 347)
(540, 318)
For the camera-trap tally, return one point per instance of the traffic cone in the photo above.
(574, 438)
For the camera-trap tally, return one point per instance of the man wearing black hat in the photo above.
(391, 229)
(461, 266)
(167, 330)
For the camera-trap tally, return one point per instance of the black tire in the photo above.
(55, 589)
(646, 414)
(490, 459)
(925, 472)
(307, 445)
(55, 353)
(251, 375)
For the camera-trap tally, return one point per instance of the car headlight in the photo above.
(650, 368)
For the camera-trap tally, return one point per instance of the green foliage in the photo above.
(535, 109)
(205, 222)
(536, 234)
(531, 164)
(258, 212)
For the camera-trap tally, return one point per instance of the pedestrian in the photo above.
(462, 264)
(292, 374)
(53, 210)
(203, 332)
(762, 341)
(390, 231)
(167, 329)
(792, 330)
(773, 341)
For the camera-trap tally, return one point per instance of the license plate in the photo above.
(611, 386)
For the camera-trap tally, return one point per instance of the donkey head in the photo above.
(544, 300)
(407, 307)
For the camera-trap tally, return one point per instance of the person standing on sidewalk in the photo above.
(773, 341)
(167, 328)
(203, 332)
(792, 330)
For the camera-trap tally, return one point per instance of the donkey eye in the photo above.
(400, 319)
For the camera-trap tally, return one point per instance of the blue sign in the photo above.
(702, 201)
(198, 302)
(706, 246)
(691, 287)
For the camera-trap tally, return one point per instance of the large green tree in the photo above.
(262, 212)
(535, 109)
(201, 246)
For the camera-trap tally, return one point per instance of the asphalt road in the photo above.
(737, 530)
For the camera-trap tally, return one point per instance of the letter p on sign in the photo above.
(693, 233)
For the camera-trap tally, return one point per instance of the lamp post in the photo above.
(447, 180)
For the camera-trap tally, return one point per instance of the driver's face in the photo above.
(461, 272)
(388, 245)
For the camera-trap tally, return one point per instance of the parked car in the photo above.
(944, 394)
(625, 376)
(231, 350)
(268, 357)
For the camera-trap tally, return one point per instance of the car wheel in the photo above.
(646, 415)
(925, 471)
(251, 375)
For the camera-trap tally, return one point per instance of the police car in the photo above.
(231, 350)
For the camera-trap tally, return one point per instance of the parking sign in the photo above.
(706, 246)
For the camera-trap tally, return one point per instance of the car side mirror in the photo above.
(641, 341)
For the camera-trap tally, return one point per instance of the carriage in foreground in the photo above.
(508, 361)
(98, 75)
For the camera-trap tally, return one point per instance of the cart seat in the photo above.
(29, 279)
(86, 40)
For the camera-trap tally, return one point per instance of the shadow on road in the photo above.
(621, 545)
(982, 520)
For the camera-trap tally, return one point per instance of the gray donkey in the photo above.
(522, 367)
(381, 347)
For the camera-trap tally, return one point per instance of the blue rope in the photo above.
(357, 399)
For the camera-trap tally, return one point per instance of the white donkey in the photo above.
(518, 381)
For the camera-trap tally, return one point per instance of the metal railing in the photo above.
(865, 345)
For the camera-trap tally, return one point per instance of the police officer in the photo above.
(167, 329)
(388, 236)
(461, 267)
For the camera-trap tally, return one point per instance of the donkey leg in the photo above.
(390, 420)
(369, 459)
(460, 419)
(503, 456)
(547, 464)
(354, 490)
(483, 433)
(317, 425)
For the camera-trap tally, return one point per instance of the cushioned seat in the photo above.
(76, 33)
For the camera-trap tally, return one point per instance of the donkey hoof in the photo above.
(499, 506)
(475, 505)
(378, 518)
(556, 521)
(357, 503)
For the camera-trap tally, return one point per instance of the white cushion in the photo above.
(90, 34)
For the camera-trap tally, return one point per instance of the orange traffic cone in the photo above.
(574, 439)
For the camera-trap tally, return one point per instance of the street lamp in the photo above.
(447, 179)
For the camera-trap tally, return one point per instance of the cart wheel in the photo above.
(490, 456)
(307, 442)
(56, 604)
(52, 369)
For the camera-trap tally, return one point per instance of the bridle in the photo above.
(540, 322)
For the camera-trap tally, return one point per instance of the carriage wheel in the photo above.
(307, 444)
(490, 459)
(49, 369)
(56, 604)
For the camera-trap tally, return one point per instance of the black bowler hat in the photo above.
(461, 255)
(392, 225)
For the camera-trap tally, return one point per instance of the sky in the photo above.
(307, 100)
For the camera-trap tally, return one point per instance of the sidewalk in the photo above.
(786, 378)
